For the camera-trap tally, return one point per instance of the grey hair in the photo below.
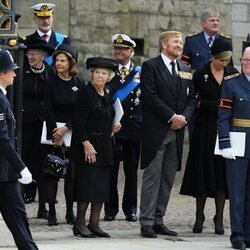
(208, 13)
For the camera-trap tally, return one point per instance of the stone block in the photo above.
(240, 12)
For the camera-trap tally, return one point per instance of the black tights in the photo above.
(94, 217)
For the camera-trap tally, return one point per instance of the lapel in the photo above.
(167, 78)
(202, 41)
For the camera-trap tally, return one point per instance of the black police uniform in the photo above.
(196, 51)
(11, 203)
(129, 138)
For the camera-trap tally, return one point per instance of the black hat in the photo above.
(221, 44)
(102, 62)
(6, 61)
(72, 51)
(39, 43)
(17, 16)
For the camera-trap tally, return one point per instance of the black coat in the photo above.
(160, 103)
(92, 120)
(10, 163)
(34, 89)
(60, 99)
(205, 172)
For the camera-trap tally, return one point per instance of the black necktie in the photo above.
(174, 76)
(210, 41)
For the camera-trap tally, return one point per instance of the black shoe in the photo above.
(52, 220)
(148, 232)
(100, 233)
(163, 230)
(76, 232)
(70, 218)
(109, 217)
(218, 226)
(239, 244)
(198, 225)
(247, 243)
(28, 200)
(43, 214)
(131, 217)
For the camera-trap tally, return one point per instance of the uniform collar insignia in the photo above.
(231, 76)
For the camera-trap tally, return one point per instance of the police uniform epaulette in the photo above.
(192, 34)
(231, 76)
(225, 36)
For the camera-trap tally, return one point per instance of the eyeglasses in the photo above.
(34, 55)
(245, 61)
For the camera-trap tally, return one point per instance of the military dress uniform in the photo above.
(129, 138)
(234, 115)
(196, 51)
(53, 39)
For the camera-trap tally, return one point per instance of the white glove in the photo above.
(228, 153)
(26, 176)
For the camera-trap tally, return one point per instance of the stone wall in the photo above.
(90, 24)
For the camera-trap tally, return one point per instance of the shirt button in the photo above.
(130, 116)
(131, 108)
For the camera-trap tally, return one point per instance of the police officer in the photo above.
(196, 51)
(43, 18)
(125, 85)
(234, 114)
(12, 167)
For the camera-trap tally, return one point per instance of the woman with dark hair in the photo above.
(91, 147)
(60, 99)
(36, 71)
(205, 174)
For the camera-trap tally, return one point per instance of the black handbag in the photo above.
(56, 166)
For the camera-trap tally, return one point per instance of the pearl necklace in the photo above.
(63, 78)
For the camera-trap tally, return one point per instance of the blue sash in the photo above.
(59, 39)
(123, 92)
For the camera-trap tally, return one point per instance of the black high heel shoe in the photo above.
(70, 218)
(76, 232)
(218, 226)
(99, 233)
(43, 214)
(198, 225)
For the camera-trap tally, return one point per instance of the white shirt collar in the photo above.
(3, 89)
(127, 66)
(40, 33)
(207, 36)
(167, 62)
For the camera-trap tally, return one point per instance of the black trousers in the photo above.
(130, 156)
(13, 212)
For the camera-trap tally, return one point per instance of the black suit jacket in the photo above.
(10, 163)
(160, 102)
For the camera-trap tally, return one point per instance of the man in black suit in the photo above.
(43, 18)
(168, 102)
(12, 168)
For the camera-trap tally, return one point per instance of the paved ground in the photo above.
(125, 235)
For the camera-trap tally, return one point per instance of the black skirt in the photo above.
(92, 183)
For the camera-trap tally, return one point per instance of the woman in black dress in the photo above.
(36, 71)
(60, 99)
(92, 146)
(205, 172)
